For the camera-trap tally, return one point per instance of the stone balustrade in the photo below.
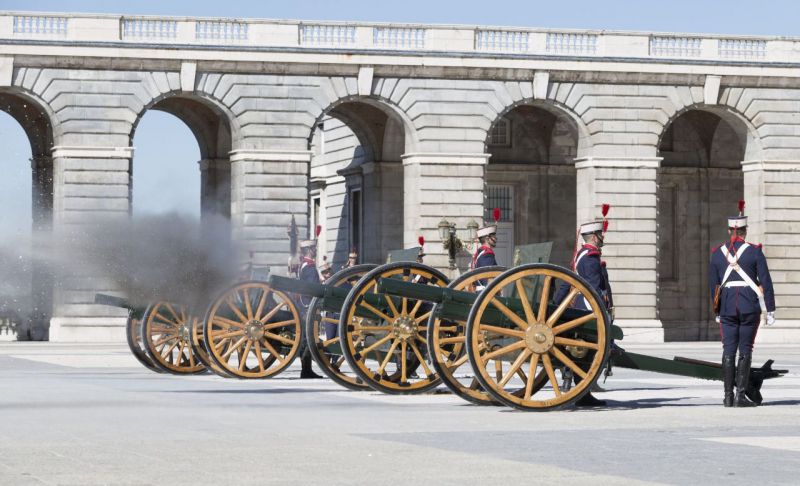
(397, 37)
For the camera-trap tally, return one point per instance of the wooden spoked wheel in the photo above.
(166, 333)
(252, 331)
(200, 348)
(322, 332)
(447, 341)
(133, 332)
(518, 325)
(383, 337)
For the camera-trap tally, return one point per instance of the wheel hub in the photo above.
(403, 327)
(539, 338)
(184, 332)
(254, 330)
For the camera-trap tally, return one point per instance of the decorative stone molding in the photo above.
(271, 155)
(711, 90)
(776, 165)
(87, 152)
(445, 159)
(6, 70)
(188, 76)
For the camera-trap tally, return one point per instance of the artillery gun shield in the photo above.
(252, 330)
(383, 337)
(531, 335)
(166, 334)
(322, 329)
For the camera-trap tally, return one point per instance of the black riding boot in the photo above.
(728, 377)
(742, 380)
(305, 361)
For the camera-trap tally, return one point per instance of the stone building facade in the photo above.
(378, 132)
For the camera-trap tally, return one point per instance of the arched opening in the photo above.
(699, 184)
(357, 181)
(172, 174)
(26, 215)
(531, 176)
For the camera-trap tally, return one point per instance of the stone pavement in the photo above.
(90, 414)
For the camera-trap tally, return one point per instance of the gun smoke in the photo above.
(145, 259)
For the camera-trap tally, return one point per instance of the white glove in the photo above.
(770, 318)
(718, 320)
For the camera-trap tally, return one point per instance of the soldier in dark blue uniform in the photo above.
(484, 255)
(743, 296)
(308, 273)
(588, 265)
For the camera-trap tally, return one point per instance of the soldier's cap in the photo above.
(735, 222)
(487, 230)
(308, 243)
(591, 227)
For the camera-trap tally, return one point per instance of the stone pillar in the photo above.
(215, 187)
(773, 210)
(437, 186)
(41, 277)
(267, 188)
(629, 186)
(89, 183)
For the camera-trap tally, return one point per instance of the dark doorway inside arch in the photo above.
(26, 214)
(699, 184)
(356, 188)
(531, 175)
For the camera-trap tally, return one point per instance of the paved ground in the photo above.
(90, 414)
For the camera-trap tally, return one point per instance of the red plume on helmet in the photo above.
(318, 230)
(496, 214)
(741, 207)
(421, 241)
(605, 209)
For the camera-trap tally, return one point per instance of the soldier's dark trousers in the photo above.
(739, 332)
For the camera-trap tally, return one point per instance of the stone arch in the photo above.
(363, 170)
(216, 131)
(700, 181)
(390, 109)
(38, 122)
(558, 110)
(743, 127)
(534, 169)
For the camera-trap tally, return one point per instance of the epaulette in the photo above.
(593, 253)
(603, 263)
(756, 245)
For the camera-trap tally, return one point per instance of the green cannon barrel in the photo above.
(332, 297)
(456, 304)
(114, 301)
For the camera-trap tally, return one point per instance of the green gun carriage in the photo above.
(518, 341)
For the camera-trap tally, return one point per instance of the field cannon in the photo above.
(529, 352)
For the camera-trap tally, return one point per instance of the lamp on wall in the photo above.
(451, 241)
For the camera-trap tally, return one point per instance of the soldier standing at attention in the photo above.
(487, 237)
(588, 265)
(742, 296)
(307, 273)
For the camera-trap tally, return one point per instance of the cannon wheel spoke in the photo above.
(166, 334)
(252, 331)
(384, 350)
(552, 342)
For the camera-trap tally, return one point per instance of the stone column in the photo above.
(89, 183)
(437, 186)
(41, 277)
(267, 188)
(629, 186)
(215, 187)
(773, 210)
